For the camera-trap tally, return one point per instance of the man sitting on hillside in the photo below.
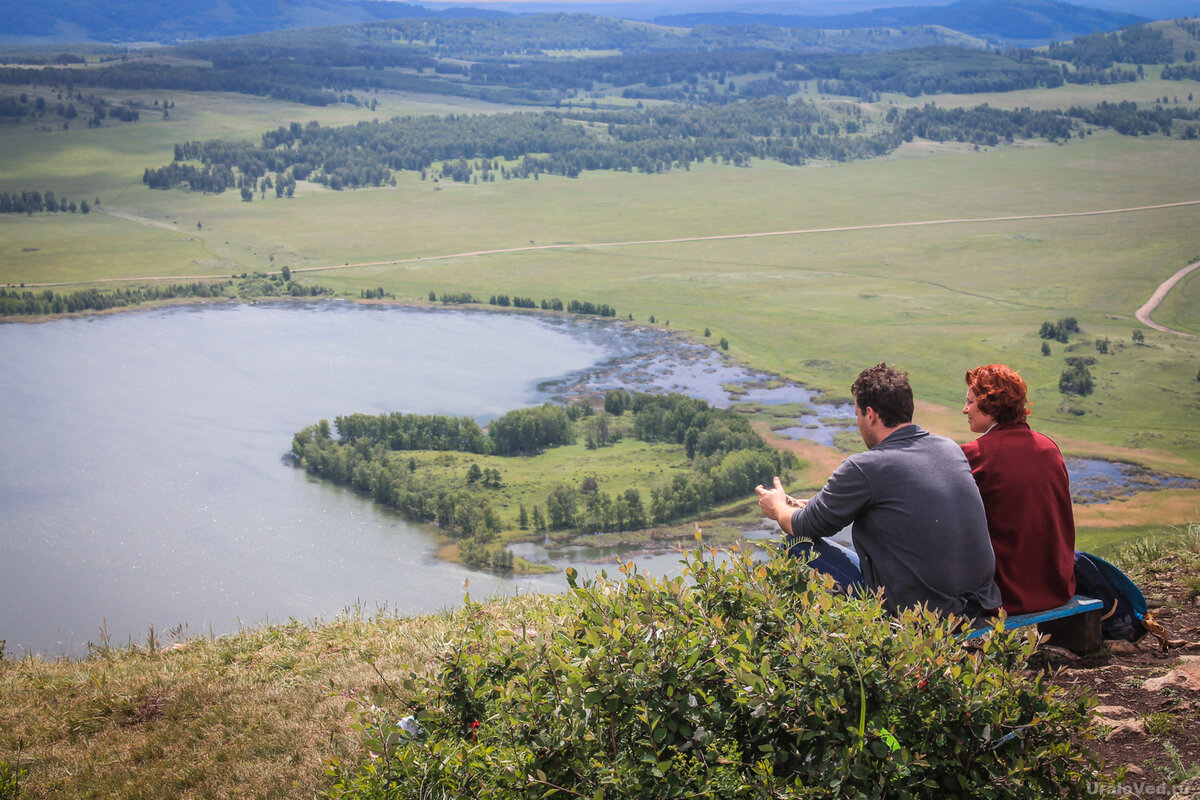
(920, 532)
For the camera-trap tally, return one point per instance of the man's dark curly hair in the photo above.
(886, 390)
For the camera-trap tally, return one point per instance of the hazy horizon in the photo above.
(646, 9)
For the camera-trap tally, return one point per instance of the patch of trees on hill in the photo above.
(565, 143)
(1076, 378)
(33, 201)
(94, 109)
(1126, 118)
(933, 70)
(1137, 44)
(980, 125)
(1181, 72)
(523, 145)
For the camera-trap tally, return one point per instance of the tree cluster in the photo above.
(1181, 72)
(1127, 119)
(528, 431)
(97, 108)
(454, 298)
(260, 284)
(214, 178)
(1102, 77)
(728, 460)
(586, 307)
(398, 431)
(1137, 44)
(47, 301)
(980, 125)
(932, 70)
(33, 201)
(504, 301)
(1061, 330)
(1077, 378)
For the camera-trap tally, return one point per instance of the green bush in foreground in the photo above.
(741, 679)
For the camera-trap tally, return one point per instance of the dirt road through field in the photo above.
(1143, 313)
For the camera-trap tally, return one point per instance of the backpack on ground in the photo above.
(1125, 613)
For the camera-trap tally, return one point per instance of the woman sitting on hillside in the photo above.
(1023, 481)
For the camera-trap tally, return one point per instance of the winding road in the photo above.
(1142, 314)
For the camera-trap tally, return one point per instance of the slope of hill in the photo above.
(1016, 21)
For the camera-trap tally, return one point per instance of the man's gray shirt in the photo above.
(919, 526)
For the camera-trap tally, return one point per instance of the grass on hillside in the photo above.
(257, 714)
(251, 715)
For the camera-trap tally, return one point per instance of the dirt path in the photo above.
(718, 237)
(1143, 313)
(637, 242)
(137, 218)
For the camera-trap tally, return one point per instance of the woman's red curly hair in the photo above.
(999, 392)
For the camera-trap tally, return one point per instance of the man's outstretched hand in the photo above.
(778, 505)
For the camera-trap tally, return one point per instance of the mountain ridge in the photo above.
(172, 21)
(1013, 21)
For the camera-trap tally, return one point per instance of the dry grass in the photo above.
(252, 715)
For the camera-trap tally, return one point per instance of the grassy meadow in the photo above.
(937, 258)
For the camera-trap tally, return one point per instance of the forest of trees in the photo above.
(505, 60)
(1137, 44)
(26, 302)
(1126, 118)
(94, 110)
(567, 142)
(727, 458)
(47, 301)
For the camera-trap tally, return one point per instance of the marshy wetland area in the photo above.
(217, 284)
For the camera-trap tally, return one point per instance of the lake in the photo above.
(141, 472)
(143, 480)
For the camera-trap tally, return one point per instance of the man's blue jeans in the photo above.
(836, 560)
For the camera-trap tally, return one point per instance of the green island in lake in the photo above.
(550, 472)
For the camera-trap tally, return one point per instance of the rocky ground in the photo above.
(1148, 701)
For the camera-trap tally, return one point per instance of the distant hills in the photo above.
(128, 21)
(120, 21)
(1015, 21)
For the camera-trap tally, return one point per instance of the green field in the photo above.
(810, 304)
